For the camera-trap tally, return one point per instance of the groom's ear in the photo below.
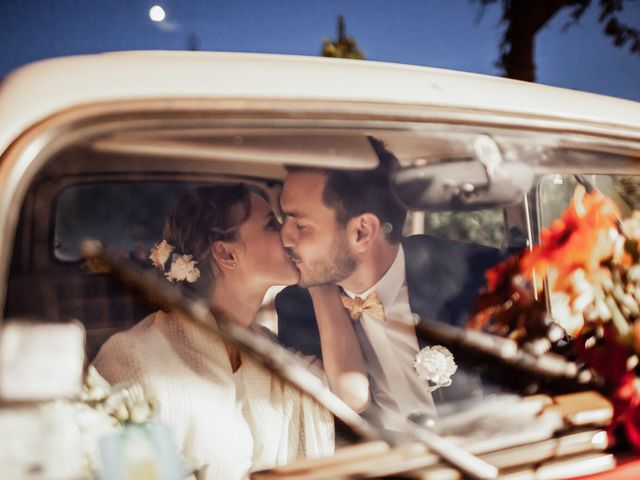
(362, 231)
(224, 255)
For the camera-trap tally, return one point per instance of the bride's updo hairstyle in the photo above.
(202, 217)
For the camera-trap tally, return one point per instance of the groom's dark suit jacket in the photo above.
(443, 278)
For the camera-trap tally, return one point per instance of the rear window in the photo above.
(125, 216)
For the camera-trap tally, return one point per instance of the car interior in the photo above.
(117, 188)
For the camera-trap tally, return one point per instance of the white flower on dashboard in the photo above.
(435, 366)
(183, 267)
(160, 253)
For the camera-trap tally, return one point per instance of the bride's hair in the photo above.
(202, 217)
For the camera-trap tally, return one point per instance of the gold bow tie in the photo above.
(370, 305)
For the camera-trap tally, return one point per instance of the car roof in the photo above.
(36, 91)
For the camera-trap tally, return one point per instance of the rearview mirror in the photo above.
(485, 180)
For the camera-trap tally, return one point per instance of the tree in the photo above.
(344, 47)
(525, 18)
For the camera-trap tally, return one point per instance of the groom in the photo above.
(345, 228)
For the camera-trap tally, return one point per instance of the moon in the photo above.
(157, 13)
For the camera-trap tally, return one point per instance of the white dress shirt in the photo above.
(389, 348)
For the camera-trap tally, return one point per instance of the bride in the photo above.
(228, 414)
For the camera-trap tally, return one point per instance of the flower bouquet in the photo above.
(105, 410)
(588, 264)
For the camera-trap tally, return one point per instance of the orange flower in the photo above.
(501, 273)
(582, 238)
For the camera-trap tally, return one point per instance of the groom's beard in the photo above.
(329, 269)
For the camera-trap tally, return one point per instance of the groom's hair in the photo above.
(350, 193)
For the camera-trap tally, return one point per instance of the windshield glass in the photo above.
(363, 250)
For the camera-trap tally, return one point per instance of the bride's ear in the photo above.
(224, 255)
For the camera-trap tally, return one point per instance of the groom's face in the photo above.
(315, 241)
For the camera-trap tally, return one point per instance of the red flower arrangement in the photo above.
(589, 264)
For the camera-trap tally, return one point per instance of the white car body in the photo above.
(33, 93)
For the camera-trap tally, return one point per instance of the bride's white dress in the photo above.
(223, 422)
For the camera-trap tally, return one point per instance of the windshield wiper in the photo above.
(484, 180)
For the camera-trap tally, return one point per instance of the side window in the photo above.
(554, 196)
(484, 227)
(555, 191)
(125, 216)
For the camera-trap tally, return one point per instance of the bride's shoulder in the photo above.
(144, 327)
(126, 342)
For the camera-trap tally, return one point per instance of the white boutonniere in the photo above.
(435, 366)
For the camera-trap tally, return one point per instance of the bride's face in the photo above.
(263, 256)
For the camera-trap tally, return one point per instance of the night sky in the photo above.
(439, 33)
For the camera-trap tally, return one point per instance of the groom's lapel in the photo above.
(443, 278)
(416, 307)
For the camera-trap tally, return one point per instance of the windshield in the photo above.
(363, 250)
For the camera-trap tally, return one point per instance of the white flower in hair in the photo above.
(183, 268)
(160, 253)
(435, 366)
